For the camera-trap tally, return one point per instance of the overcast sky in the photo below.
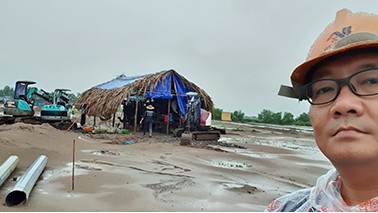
(239, 52)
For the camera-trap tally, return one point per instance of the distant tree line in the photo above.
(267, 116)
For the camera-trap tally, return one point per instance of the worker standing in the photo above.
(83, 114)
(148, 119)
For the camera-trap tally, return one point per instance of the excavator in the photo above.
(58, 109)
(21, 105)
(197, 123)
(20, 108)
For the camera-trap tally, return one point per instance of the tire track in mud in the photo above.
(177, 182)
(95, 161)
(169, 186)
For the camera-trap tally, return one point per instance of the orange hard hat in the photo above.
(347, 32)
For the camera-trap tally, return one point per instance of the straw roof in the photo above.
(103, 102)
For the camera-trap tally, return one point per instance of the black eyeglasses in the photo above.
(322, 91)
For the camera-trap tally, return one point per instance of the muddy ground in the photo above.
(252, 165)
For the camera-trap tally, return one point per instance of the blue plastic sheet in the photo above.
(119, 82)
(181, 90)
(162, 89)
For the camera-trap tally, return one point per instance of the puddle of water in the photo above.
(250, 153)
(230, 164)
(73, 195)
(86, 140)
(102, 152)
(63, 172)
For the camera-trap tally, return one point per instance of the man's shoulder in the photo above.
(295, 201)
(149, 112)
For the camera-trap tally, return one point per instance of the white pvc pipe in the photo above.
(25, 184)
(8, 167)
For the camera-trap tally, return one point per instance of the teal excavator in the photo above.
(21, 107)
(58, 107)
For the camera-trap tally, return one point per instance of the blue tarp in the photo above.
(119, 82)
(161, 91)
(181, 91)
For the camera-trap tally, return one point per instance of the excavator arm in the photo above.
(61, 96)
(38, 92)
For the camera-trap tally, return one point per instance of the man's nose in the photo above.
(347, 102)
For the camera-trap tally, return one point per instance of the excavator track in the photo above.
(189, 138)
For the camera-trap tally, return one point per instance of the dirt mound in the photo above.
(22, 127)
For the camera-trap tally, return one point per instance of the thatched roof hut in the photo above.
(105, 99)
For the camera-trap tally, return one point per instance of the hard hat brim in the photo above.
(299, 73)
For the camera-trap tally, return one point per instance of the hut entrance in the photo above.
(166, 114)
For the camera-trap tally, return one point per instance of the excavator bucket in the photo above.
(186, 139)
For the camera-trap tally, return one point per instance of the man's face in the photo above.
(346, 130)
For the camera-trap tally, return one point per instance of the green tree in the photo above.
(277, 118)
(217, 113)
(265, 116)
(237, 116)
(303, 120)
(7, 91)
(73, 98)
(288, 118)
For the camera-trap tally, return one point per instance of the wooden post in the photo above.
(136, 113)
(169, 112)
(114, 119)
(73, 165)
(123, 113)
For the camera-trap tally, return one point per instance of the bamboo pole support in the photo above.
(136, 113)
(169, 112)
(73, 165)
(114, 115)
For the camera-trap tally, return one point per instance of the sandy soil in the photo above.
(252, 165)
